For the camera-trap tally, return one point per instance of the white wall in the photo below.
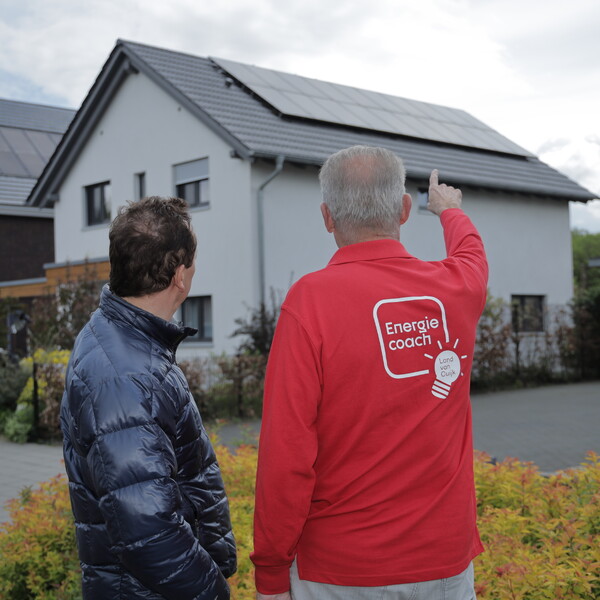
(296, 241)
(145, 130)
(528, 243)
(527, 239)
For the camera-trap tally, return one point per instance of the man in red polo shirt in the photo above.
(365, 477)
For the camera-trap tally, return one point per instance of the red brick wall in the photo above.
(25, 245)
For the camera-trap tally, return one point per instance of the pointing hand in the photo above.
(442, 196)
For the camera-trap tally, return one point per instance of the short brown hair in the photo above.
(149, 239)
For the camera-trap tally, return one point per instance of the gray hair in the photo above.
(363, 188)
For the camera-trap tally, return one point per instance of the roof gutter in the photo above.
(260, 199)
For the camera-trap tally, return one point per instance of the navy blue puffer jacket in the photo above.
(152, 519)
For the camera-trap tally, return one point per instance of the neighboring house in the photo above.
(29, 134)
(243, 146)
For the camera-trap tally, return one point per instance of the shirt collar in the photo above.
(169, 333)
(373, 250)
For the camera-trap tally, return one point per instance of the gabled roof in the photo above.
(29, 134)
(244, 115)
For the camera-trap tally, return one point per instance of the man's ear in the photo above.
(179, 278)
(327, 218)
(406, 206)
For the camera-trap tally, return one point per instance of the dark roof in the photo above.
(15, 190)
(29, 134)
(255, 129)
(25, 115)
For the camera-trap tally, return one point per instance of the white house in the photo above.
(243, 146)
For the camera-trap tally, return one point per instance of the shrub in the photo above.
(506, 356)
(18, 425)
(38, 558)
(202, 374)
(258, 328)
(243, 378)
(491, 360)
(239, 472)
(50, 378)
(540, 533)
(58, 316)
(226, 386)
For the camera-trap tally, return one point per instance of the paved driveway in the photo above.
(552, 426)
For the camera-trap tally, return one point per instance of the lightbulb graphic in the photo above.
(447, 370)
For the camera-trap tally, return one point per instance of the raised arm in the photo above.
(464, 246)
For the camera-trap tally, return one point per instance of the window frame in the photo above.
(197, 182)
(89, 192)
(422, 200)
(201, 318)
(533, 323)
(139, 185)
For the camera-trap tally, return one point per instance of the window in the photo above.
(197, 312)
(97, 198)
(527, 314)
(422, 200)
(191, 182)
(140, 185)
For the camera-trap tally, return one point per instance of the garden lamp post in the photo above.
(15, 321)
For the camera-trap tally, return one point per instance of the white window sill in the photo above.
(197, 344)
(200, 208)
(96, 226)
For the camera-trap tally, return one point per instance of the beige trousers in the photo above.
(459, 587)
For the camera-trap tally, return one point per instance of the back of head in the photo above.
(363, 188)
(149, 239)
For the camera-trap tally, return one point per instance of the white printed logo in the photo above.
(408, 329)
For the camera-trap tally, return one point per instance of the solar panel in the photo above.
(44, 142)
(24, 150)
(297, 96)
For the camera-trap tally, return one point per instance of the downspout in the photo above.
(261, 226)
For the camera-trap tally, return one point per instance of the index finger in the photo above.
(433, 178)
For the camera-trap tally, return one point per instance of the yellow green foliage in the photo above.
(59, 358)
(540, 533)
(38, 558)
(50, 379)
(239, 472)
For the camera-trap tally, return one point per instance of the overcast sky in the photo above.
(528, 68)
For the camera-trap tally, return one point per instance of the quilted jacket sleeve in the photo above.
(132, 466)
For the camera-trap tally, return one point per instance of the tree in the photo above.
(585, 246)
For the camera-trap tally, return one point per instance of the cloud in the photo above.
(427, 50)
(594, 138)
(552, 145)
(585, 216)
(578, 158)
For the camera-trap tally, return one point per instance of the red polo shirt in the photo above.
(365, 467)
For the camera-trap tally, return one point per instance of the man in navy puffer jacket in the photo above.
(152, 519)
